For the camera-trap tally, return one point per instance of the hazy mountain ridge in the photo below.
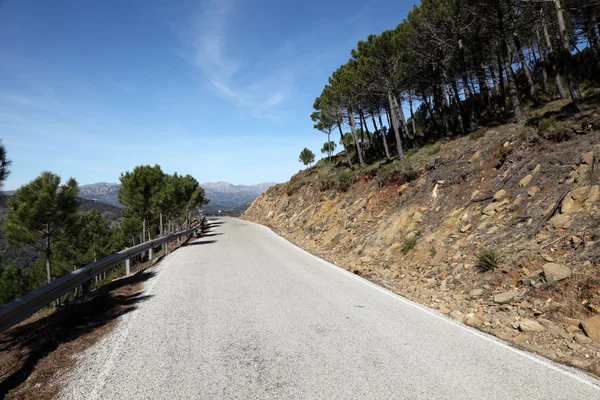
(220, 194)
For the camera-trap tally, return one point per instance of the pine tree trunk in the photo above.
(344, 144)
(459, 120)
(470, 113)
(567, 60)
(48, 263)
(383, 137)
(329, 144)
(552, 60)
(514, 93)
(543, 62)
(351, 121)
(484, 87)
(395, 124)
(510, 76)
(501, 83)
(362, 115)
(526, 70)
(412, 116)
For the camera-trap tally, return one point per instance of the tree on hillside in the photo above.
(139, 191)
(307, 157)
(328, 148)
(4, 164)
(12, 283)
(39, 213)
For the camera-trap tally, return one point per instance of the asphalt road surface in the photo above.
(243, 314)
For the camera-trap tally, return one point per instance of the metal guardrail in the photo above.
(21, 308)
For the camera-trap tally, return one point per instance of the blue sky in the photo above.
(220, 89)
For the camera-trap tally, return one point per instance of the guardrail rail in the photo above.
(21, 308)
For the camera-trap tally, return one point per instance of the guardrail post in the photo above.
(150, 254)
(127, 268)
(85, 288)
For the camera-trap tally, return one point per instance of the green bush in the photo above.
(546, 123)
(478, 134)
(294, 185)
(344, 181)
(397, 171)
(410, 242)
(434, 150)
(489, 259)
(411, 152)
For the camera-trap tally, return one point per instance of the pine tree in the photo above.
(307, 157)
(39, 213)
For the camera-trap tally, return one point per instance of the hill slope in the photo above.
(418, 228)
(222, 195)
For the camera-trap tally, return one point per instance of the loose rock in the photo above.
(556, 272)
(529, 325)
(591, 327)
(505, 297)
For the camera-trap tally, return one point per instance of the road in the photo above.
(243, 314)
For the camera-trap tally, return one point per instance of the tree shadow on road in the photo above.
(70, 329)
(199, 243)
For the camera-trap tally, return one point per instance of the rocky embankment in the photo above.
(535, 201)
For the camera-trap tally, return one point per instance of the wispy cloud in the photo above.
(225, 73)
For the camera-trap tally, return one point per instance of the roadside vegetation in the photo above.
(45, 218)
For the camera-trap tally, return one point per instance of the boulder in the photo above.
(475, 293)
(475, 157)
(500, 194)
(457, 315)
(556, 272)
(561, 221)
(581, 339)
(506, 297)
(591, 327)
(532, 191)
(529, 325)
(592, 197)
(525, 181)
(495, 207)
(573, 201)
(588, 159)
(417, 217)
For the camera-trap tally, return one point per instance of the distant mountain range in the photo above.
(222, 195)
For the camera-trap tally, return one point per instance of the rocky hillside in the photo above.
(103, 192)
(499, 230)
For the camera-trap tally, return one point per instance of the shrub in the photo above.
(411, 152)
(294, 185)
(478, 134)
(397, 171)
(545, 124)
(344, 181)
(410, 242)
(489, 259)
(528, 134)
(434, 150)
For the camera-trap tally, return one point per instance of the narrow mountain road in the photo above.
(243, 314)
